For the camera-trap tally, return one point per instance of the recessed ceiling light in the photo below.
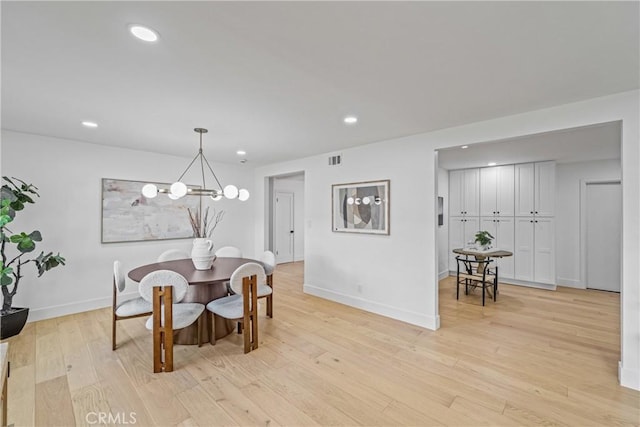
(144, 33)
(241, 152)
(491, 164)
(464, 147)
(351, 120)
(90, 124)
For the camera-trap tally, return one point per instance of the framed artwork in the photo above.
(361, 207)
(440, 210)
(128, 216)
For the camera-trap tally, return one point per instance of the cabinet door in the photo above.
(505, 190)
(524, 181)
(488, 185)
(545, 188)
(456, 239)
(456, 193)
(472, 192)
(523, 254)
(544, 255)
(471, 227)
(505, 241)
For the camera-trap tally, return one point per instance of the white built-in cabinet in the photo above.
(461, 231)
(516, 204)
(502, 229)
(534, 253)
(464, 192)
(535, 189)
(497, 191)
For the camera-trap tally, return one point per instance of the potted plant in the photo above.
(16, 250)
(484, 239)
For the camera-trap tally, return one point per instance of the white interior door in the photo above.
(284, 231)
(603, 239)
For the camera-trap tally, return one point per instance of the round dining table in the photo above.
(204, 287)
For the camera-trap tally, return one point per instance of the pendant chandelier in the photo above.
(179, 189)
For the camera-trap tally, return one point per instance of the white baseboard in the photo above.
(297, 258)
(570, 283)
(443, 274)
(628, 377)
(546, 286)
(74, 307)
(418, 319)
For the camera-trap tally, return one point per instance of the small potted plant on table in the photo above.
(484, 239)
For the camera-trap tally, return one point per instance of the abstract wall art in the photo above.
(128, 216)
(361, 207)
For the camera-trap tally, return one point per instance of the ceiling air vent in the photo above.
(335, 160)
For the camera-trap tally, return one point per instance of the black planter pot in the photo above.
(12, 323)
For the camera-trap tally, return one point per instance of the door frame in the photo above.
(583, 226)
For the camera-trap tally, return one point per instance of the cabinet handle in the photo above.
(531, 221)
(536, 212)
(498, 212)
(536, 221)
(531, 212)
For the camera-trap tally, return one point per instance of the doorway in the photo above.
(285, 217)
(603, 233)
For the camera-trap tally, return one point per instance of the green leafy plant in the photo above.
(15, 248)
(484, 238)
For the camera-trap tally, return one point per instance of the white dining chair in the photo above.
(172, 254)
(165, 290)
(268, 260)
(242, 306)
(229, 252)
(128, 309)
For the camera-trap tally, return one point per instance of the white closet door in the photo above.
(524, 174)
(523, 268)
(505, 190)
(545, 252)
(505, 241)
(488, 185)
(545, 188)
(456, 193)
(472, 192)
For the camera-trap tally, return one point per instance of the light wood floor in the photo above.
(533, 358)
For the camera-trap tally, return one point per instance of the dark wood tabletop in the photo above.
(221, 270)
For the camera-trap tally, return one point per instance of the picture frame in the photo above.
(128, 216)
(440, 210)
(361, 207)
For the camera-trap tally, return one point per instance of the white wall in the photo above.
(398, 273)
(296, 187)
(68, 175)
(443, 230)
(568, 240)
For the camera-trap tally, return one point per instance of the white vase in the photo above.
(202, 253)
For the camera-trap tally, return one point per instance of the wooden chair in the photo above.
(129, 309)
(476, 273)
(165, 289)
(242, 306)
(268, 260)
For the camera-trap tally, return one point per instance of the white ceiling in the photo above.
(597, 142)
(276, 78)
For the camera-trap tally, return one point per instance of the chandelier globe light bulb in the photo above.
(150, 191)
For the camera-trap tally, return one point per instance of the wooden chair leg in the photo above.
(211, 320)
(157, 332)
(200, 331)
(270, 297)
(168, 329)
(484, 289)
(113, 332)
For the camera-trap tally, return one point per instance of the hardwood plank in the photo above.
(53, 406)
